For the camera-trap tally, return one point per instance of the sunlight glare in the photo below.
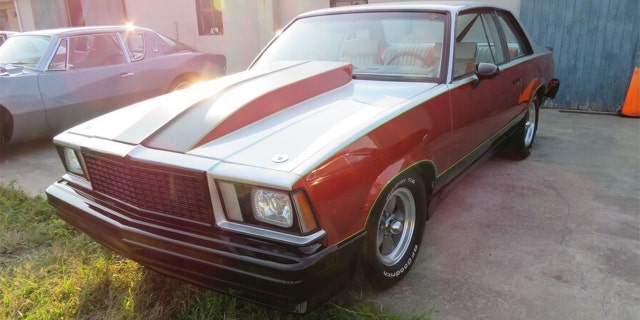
(219, 5)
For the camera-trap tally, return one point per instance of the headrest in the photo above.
(465, 50)
(361, 47)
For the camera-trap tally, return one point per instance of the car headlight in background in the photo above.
(72, 161)
(287, 211)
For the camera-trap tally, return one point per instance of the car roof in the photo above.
(450, 6)
(82, 30)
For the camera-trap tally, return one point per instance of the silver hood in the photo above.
(288, 117)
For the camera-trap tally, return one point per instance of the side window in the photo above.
(59, 61)
(135, 44)
(209, 17)
(96, 50)
(477, 40)
(515, 43)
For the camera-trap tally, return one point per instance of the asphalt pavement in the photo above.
(555, 236)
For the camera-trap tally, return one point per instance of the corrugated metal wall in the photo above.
(596, 46)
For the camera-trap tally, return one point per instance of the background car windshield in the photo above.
(23, 50)
(387, 44)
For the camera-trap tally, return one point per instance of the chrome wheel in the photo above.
(530, 125)
(396, 227)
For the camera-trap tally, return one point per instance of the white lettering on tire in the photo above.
(406, 265)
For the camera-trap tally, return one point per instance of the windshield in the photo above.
(378, 44)
(23, 50)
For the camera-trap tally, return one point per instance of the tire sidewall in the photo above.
(536, 106)
(515, 147)
(377, 274)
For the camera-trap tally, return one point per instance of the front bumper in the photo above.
(249, 269)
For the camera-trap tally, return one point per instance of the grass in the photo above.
(50, 271)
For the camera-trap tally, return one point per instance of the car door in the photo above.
(480, 108)
(89, 75)
(158, 62)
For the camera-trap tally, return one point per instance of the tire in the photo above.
(183, 82)
(520, 144)
(2, 137)
(394, 231)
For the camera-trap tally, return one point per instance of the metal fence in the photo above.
(596, 46)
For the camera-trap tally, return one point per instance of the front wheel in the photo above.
(394, 231)
(520, 143)
(2, 137)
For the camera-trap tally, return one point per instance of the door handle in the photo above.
(517, 82)
(126, 74)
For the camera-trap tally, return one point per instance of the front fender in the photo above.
(20, 96)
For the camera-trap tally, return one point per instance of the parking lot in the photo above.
(556, 236)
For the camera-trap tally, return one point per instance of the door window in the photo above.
(477, 40)
(515, 44)
(97, 50)
(135, 44)
(59, 61)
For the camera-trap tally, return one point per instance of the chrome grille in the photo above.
(156, 190)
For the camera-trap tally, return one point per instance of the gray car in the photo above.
(53, 79)
(4, 35)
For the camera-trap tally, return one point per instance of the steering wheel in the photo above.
(413, 55)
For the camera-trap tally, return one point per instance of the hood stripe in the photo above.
(173, 105)
(249, 101)
(303, 84)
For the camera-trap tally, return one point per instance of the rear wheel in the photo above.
(520, 143)
(394, 231)
(183, 82)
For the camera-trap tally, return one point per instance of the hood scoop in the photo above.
(249, 101)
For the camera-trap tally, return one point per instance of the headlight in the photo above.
(252, 205)
(72, 161)
(272, 207)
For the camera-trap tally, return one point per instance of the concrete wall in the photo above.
(25, 15)
(244, 31)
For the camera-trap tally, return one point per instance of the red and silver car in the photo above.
(329, 152)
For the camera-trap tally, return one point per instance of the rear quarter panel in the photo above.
(158, 73)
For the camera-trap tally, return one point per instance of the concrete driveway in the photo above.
(32, 166)
(556, 236)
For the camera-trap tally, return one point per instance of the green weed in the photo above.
(50, 271)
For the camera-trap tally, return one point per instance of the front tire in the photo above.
(2, 137)
(394, 231)
(520, 143)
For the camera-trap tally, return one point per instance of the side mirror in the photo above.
(486, 70)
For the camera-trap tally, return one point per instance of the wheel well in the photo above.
(426, 170)
(541, 95)
(188, 76)
(6, 124)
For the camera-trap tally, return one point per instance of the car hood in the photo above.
(286, 117)
(13, 70)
